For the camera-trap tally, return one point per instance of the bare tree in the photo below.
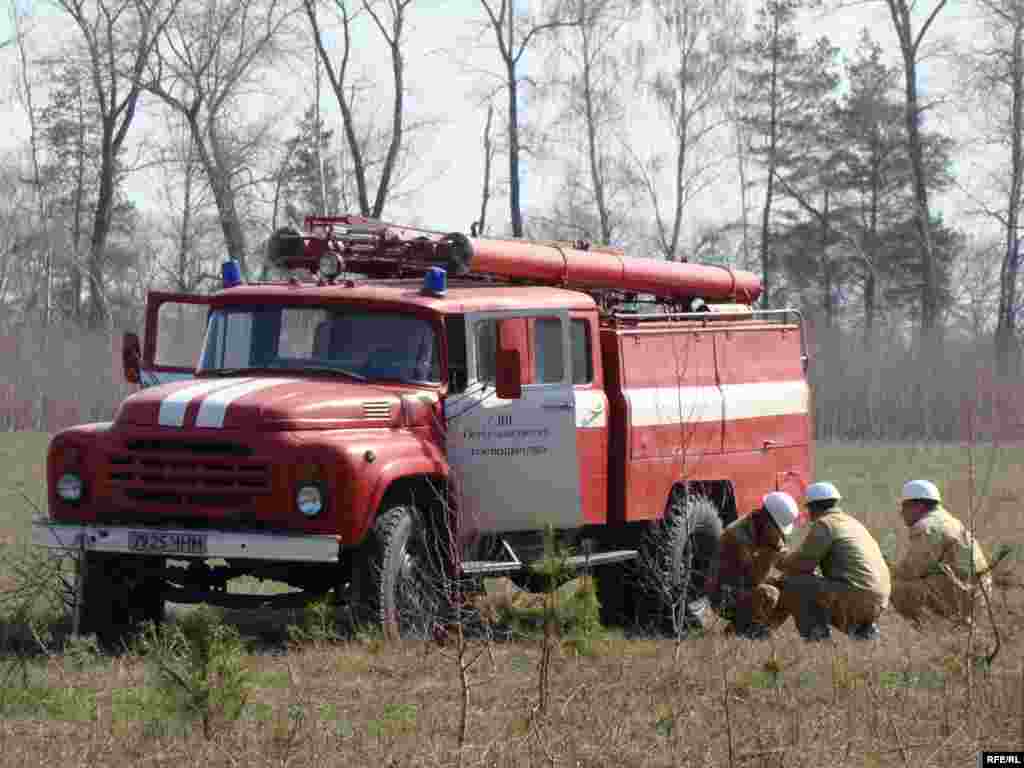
(901, 12)
(595, 100)
(119, 37)
(690, 91)
(204, 58)
(513, 35)
(191, 231)
(391, 26)
(997, 74)
(977, 281)
(37, 176)
(480, 226)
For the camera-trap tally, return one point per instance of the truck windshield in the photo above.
(370, 345)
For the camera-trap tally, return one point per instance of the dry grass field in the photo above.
(913, 698)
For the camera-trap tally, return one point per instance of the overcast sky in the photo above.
(441, 86)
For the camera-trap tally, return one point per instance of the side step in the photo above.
(491, 567)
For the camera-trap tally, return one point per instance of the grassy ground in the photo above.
(913, 698)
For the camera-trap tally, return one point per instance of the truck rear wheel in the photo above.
(678, 555)
(407, 574)
(120, 593)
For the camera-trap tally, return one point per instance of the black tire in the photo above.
(120, 593)
(610, 581)
(678, 555)
(405, 573)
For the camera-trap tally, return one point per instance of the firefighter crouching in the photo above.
(749, 547)
(937, 574)
(854, 586)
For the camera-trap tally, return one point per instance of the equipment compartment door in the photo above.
(514, 462)
(175, 329)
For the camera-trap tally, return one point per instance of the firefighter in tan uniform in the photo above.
(748, 549)
(854, 586)
(945, 568)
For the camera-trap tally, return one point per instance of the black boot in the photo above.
(866, 632)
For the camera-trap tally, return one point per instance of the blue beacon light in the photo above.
(231, 274)
(435, 281)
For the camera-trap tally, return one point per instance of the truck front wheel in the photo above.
(119, 594)
(406, 573)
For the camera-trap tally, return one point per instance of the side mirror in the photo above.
(509, 382)
(131, 358)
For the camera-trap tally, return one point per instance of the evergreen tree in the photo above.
(311, 180)
(782, 88)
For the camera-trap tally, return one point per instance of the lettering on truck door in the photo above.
(515, 461)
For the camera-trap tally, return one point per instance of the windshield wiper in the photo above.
(329, 369)
(279, 368)
(232, 371)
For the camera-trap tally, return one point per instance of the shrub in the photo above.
(199, 668)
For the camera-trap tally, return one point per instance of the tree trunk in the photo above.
(741, 164)
(830, 305)
(485, 196)
(214, 164)
(871, 253)
(398, 68)
(513, 150)
(1006, 325)
(184, 240)
(769, 185)
(100, 230)
(922, 217)
(909, 46)
(76, 217)
(596, 175)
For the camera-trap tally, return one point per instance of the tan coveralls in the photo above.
(743, 590)
(854, 585)
(935, 575)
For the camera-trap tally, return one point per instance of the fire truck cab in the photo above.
(384, 436)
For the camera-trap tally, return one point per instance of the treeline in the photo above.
(676, 128)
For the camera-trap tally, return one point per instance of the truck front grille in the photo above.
(188, 474)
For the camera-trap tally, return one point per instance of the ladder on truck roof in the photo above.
(382, 250)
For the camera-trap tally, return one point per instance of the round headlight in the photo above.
(329, 266)
(309, 500)
(69, 487)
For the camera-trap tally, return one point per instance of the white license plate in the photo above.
(170, 543)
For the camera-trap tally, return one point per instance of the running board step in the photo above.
(489, 567)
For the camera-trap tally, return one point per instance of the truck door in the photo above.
(175, 329)
(514, 462)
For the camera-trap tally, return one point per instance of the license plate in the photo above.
(170, 543)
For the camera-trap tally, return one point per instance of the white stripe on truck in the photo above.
(665, 406)
(215, 406)
(172, 407)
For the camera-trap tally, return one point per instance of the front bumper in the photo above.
(184, 543)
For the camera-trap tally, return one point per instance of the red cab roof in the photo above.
(460, 297)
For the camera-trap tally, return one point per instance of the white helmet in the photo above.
(822, 492)
(783, 510)
(921, 490)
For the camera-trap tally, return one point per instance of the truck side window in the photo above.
(582, 362)
(486, 333)
(458, 368)
(549, 365)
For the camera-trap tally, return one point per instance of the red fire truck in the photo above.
(421, 407)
